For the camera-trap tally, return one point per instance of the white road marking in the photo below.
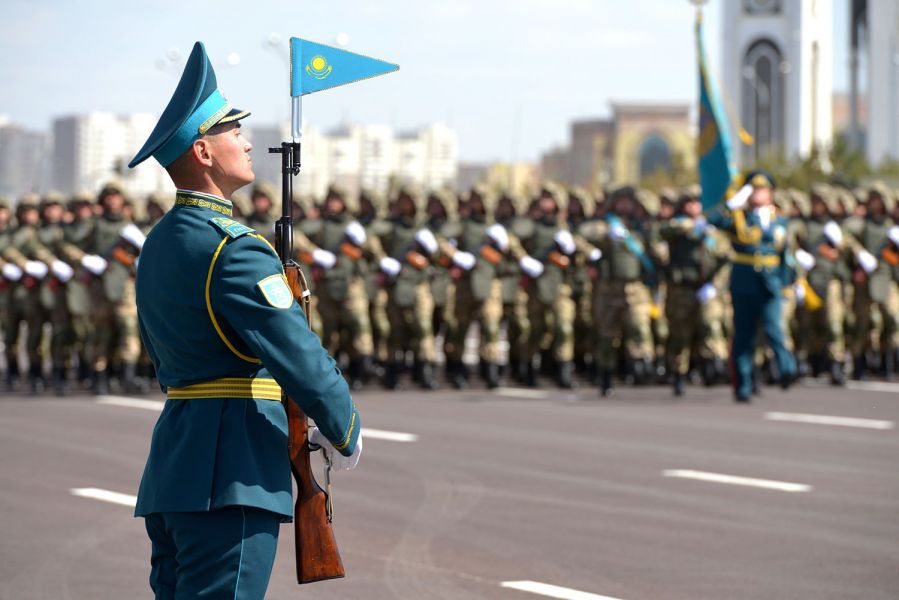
(519, 392)
(131, 402)
(156, 405)
(830, 420)
(781, 486)
(553, 591)
(389, 436)
(873, 386)
(105, 496)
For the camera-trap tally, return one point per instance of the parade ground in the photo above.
(511, 494)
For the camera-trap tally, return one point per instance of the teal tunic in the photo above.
(211, 305)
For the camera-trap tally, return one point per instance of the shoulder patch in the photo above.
(230, 227)
(276, 291)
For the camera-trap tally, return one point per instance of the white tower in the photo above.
(778, 74)
(883, 80)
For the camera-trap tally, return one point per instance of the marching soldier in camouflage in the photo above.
(409, 249)
(693, 299)
(478, 290)
(549, 247)
(372, 209)
(622, 296)
(876, 298)
(261, 219)
(581, 208)
(441, 208)
(10, 272)
(335, 246)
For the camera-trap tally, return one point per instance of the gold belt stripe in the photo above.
(229, 387)
(758, 260)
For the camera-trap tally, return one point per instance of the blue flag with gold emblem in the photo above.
(716, 168)
(315, 67)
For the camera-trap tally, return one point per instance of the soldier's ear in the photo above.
(201, 150)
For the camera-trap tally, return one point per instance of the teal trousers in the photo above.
(224, 554)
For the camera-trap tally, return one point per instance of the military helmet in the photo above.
(336, 190)
(649, 200)
(519, 201)
(687, 193)
(110, 188)
(881, 189)
(4, 202)
(845, 198)
(760, 178)
(28, 201)
(78, 199)
(585, 198)
(264, 188)
(489, 198)
(377, 201)
(415, 194)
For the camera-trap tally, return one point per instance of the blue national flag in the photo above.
(716, 169)
(316, 67)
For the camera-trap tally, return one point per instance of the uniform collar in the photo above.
(201, 200)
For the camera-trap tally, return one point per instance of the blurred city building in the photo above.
(638, 140)
(23, 159)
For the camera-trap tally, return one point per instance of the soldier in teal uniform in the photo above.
(758, 276)
(225, 336)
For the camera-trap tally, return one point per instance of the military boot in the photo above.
(606, 388)
(392, 375)
(12, 373)
(837, 376)
(566, 375)
(889, 365)
(458, 374)
(131, 383)
(354, 374)
(36, 377)
(427, 380)
(100, 382)
(531, 377)
(520, 370)
(491, 375)
(643, 371)
(60, 381)
(679, 386)
(859, 368)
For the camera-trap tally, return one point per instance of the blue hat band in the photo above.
(207, 114)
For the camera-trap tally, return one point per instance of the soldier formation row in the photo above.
(630, 285)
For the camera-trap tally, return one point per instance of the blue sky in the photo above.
(508, 75)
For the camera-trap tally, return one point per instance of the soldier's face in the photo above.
(876, 206)
(693, 208)
(819, 209)
(29, 216)
(262, 204)
(334, 205)
(53, 213)
(4, 216)
(230, 154)
(84, 212)
(114, 203)
(761, 197)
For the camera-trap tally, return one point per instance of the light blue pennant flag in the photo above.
(315, 67)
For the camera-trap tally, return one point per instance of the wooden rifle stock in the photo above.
(317, 557)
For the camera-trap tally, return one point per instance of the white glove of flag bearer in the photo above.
(338, 461)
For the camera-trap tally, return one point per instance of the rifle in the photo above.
(317, 557)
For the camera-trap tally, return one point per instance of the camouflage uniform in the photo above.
(261, 218)
(508, 214)
(370, 216)
(581, 208)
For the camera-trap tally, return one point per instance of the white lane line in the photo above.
(389, 436)
(131, 402)
(520, 393)
(105, 496)
(553, 591)
(374, 434)
(872, 386)
(781, 486)
(830, 420)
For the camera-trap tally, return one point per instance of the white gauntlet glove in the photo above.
(867, 261)
(61, 270)
(11, 272)
(893, 234)
(833, 233)
(464, 260)
(499, 236)
(426, 240)
(706, 293)
(700, 224)
(355, 232)
(799, 293)
(565, 241)
(323, 258)
(390, 266)
(95, 264)
(134, 236)
(594, 255)
(739, 200)
(338, 461)
(805, 260)
(617, 232)
(36, 269)
(532, 267)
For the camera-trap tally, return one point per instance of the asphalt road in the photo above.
(562, 489)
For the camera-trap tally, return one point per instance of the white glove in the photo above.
(740, 199)
(799, 293)
(595, 255)
(865, 259)
(391, 266)
(464, 260)
(355, 232)
(36, 269)
(700, 224)
(706, 293)
(131, 234)
(833, 233)
(532, 267)
(338, 461)
(93, 263)
(617, 232)
(323, 258)
(498, 234)
(805, 260)
(426, 240)
(61, 270)
(565, 241)
(893, 234)
(11, 272)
